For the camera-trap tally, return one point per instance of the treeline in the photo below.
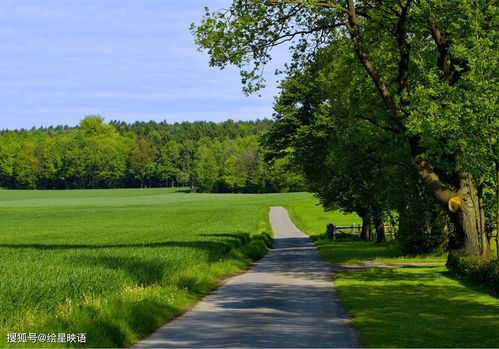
(205, 156)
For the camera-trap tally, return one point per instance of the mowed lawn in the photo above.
(115, 264)
(407, 307)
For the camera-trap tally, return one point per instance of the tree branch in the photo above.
(323, 4)
(290, 36)
(451, 68)
(447, 197)
(443, 48)
(404, 49)
(377, 124)
(379, 82)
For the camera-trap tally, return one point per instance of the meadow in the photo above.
(116, 264)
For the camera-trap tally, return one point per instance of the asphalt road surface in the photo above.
(286, 300)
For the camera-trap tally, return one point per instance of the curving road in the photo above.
(285, 300)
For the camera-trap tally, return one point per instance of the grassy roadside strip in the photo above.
(141, 310)
(404, 307)
(309, 216)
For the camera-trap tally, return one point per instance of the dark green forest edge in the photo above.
(204, 156)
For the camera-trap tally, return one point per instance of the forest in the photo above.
(205, 156)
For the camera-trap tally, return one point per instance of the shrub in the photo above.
(479, 270)
(421, 228)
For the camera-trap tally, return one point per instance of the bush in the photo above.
(482, 271)
(421, 228)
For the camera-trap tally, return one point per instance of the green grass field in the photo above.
(116, 264)
(404, 307)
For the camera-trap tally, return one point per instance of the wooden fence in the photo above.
(353, 231)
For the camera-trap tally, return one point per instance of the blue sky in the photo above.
(123, 59)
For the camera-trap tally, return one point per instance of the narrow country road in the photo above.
(285, 300)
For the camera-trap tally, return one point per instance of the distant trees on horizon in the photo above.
(205, 156)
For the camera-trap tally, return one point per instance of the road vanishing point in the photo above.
(286, 300)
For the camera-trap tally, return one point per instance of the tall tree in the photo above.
(206, 168)
(8, 149)
(422, 60)
(26, 165)
(102, 152)
(168, 163)
(142, 161)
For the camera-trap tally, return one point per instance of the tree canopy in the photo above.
(419, 77)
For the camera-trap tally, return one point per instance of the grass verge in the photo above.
(418, 307)
(310, 217)
(403, 307)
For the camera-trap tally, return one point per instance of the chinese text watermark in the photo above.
(25, 337)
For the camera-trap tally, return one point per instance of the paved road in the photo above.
(286, 300)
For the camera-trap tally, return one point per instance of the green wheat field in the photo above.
(116, 264)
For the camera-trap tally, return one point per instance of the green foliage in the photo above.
(207, 157)
(207, 169)
(26, 165)
(374, 92)
(233, 177)
(479, 270)
(422, 224)
(332, 132)
(285, 177)
(421, 229)
(142, 160)
(7, 151)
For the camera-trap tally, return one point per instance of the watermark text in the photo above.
(31, 337)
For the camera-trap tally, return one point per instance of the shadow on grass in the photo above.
(224, 241)
(141, 270)
(146, 268)
(470, 283)
(418, 307)
(183, 190)
(191, 244)
(354, 250)
(235, 239)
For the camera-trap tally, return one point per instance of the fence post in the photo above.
(330, 230)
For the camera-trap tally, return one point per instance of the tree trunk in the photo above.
(469, 221)
(366, 227)
(497, 208)
(379, 225)
(462, 206)
(485, 243)
(366, 224)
